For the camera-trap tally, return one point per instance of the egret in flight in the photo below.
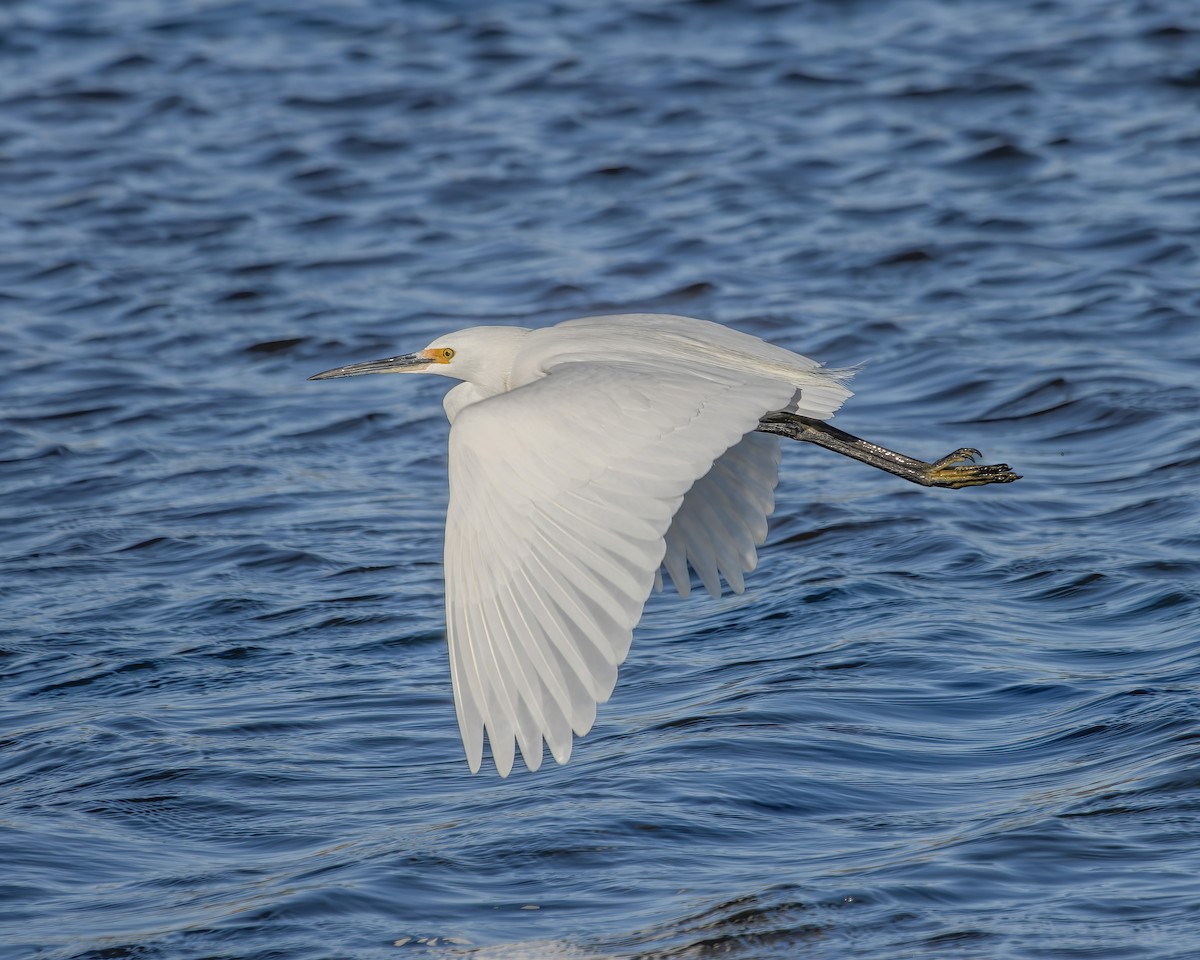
(587, 458)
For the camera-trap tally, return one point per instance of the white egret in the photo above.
(586, 458)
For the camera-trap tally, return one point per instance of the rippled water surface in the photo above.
(937, 724)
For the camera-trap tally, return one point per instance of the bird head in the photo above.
(479, 355)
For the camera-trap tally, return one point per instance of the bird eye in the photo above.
(447, 354)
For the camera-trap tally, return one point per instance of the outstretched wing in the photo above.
(561, 493)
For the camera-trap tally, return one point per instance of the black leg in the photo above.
(957, 469)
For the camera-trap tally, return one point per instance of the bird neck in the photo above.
(460, 397)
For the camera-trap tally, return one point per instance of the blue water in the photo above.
(938, 723)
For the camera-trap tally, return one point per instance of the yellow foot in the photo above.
(959, 469)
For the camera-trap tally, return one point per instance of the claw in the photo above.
(961, 455)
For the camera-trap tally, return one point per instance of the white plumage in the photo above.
(585, 459)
